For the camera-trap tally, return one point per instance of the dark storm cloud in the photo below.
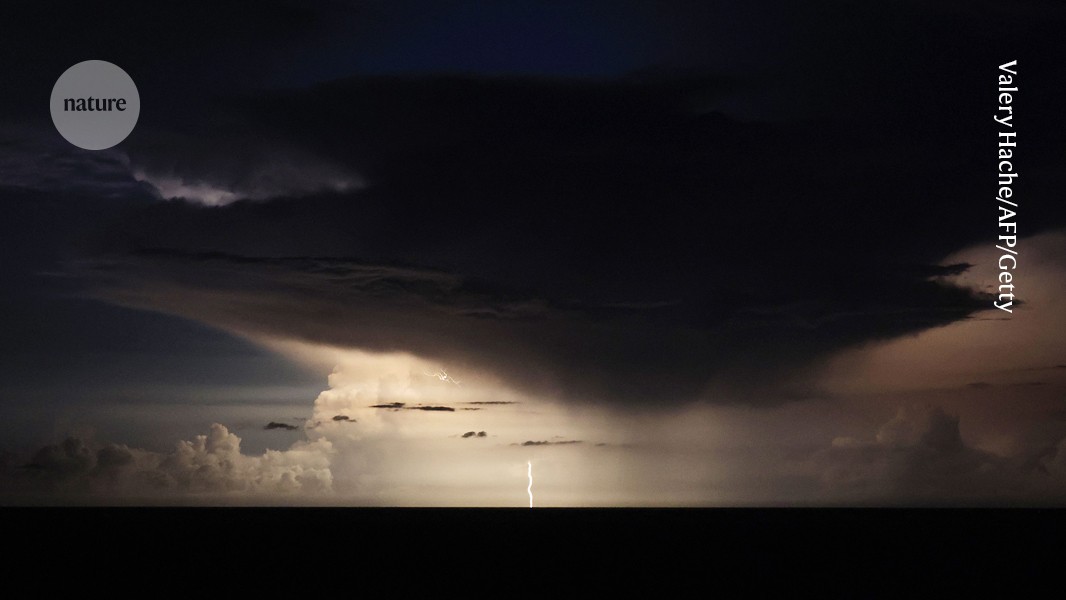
(620, 240)
(344, 418)
(600, 241)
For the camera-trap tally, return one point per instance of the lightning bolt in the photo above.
(530, 488)
(443, 376)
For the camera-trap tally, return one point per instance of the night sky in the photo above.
(659, 253)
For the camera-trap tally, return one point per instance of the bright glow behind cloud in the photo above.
(410, 456)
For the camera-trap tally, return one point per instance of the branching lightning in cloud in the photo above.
(443, 376)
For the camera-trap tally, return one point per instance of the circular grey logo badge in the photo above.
(95, 105)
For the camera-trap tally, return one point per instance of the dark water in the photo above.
(503, 552)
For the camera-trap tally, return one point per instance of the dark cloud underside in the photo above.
(600, 240)
(618, 238)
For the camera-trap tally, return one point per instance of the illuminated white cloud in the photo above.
(171, 187)
(409, 456)
(269, 181)
(214, 463)
(216, 173)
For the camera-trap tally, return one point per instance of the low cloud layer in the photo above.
(919, 457)
(703, 454)
(916, 458)
(211, 466)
